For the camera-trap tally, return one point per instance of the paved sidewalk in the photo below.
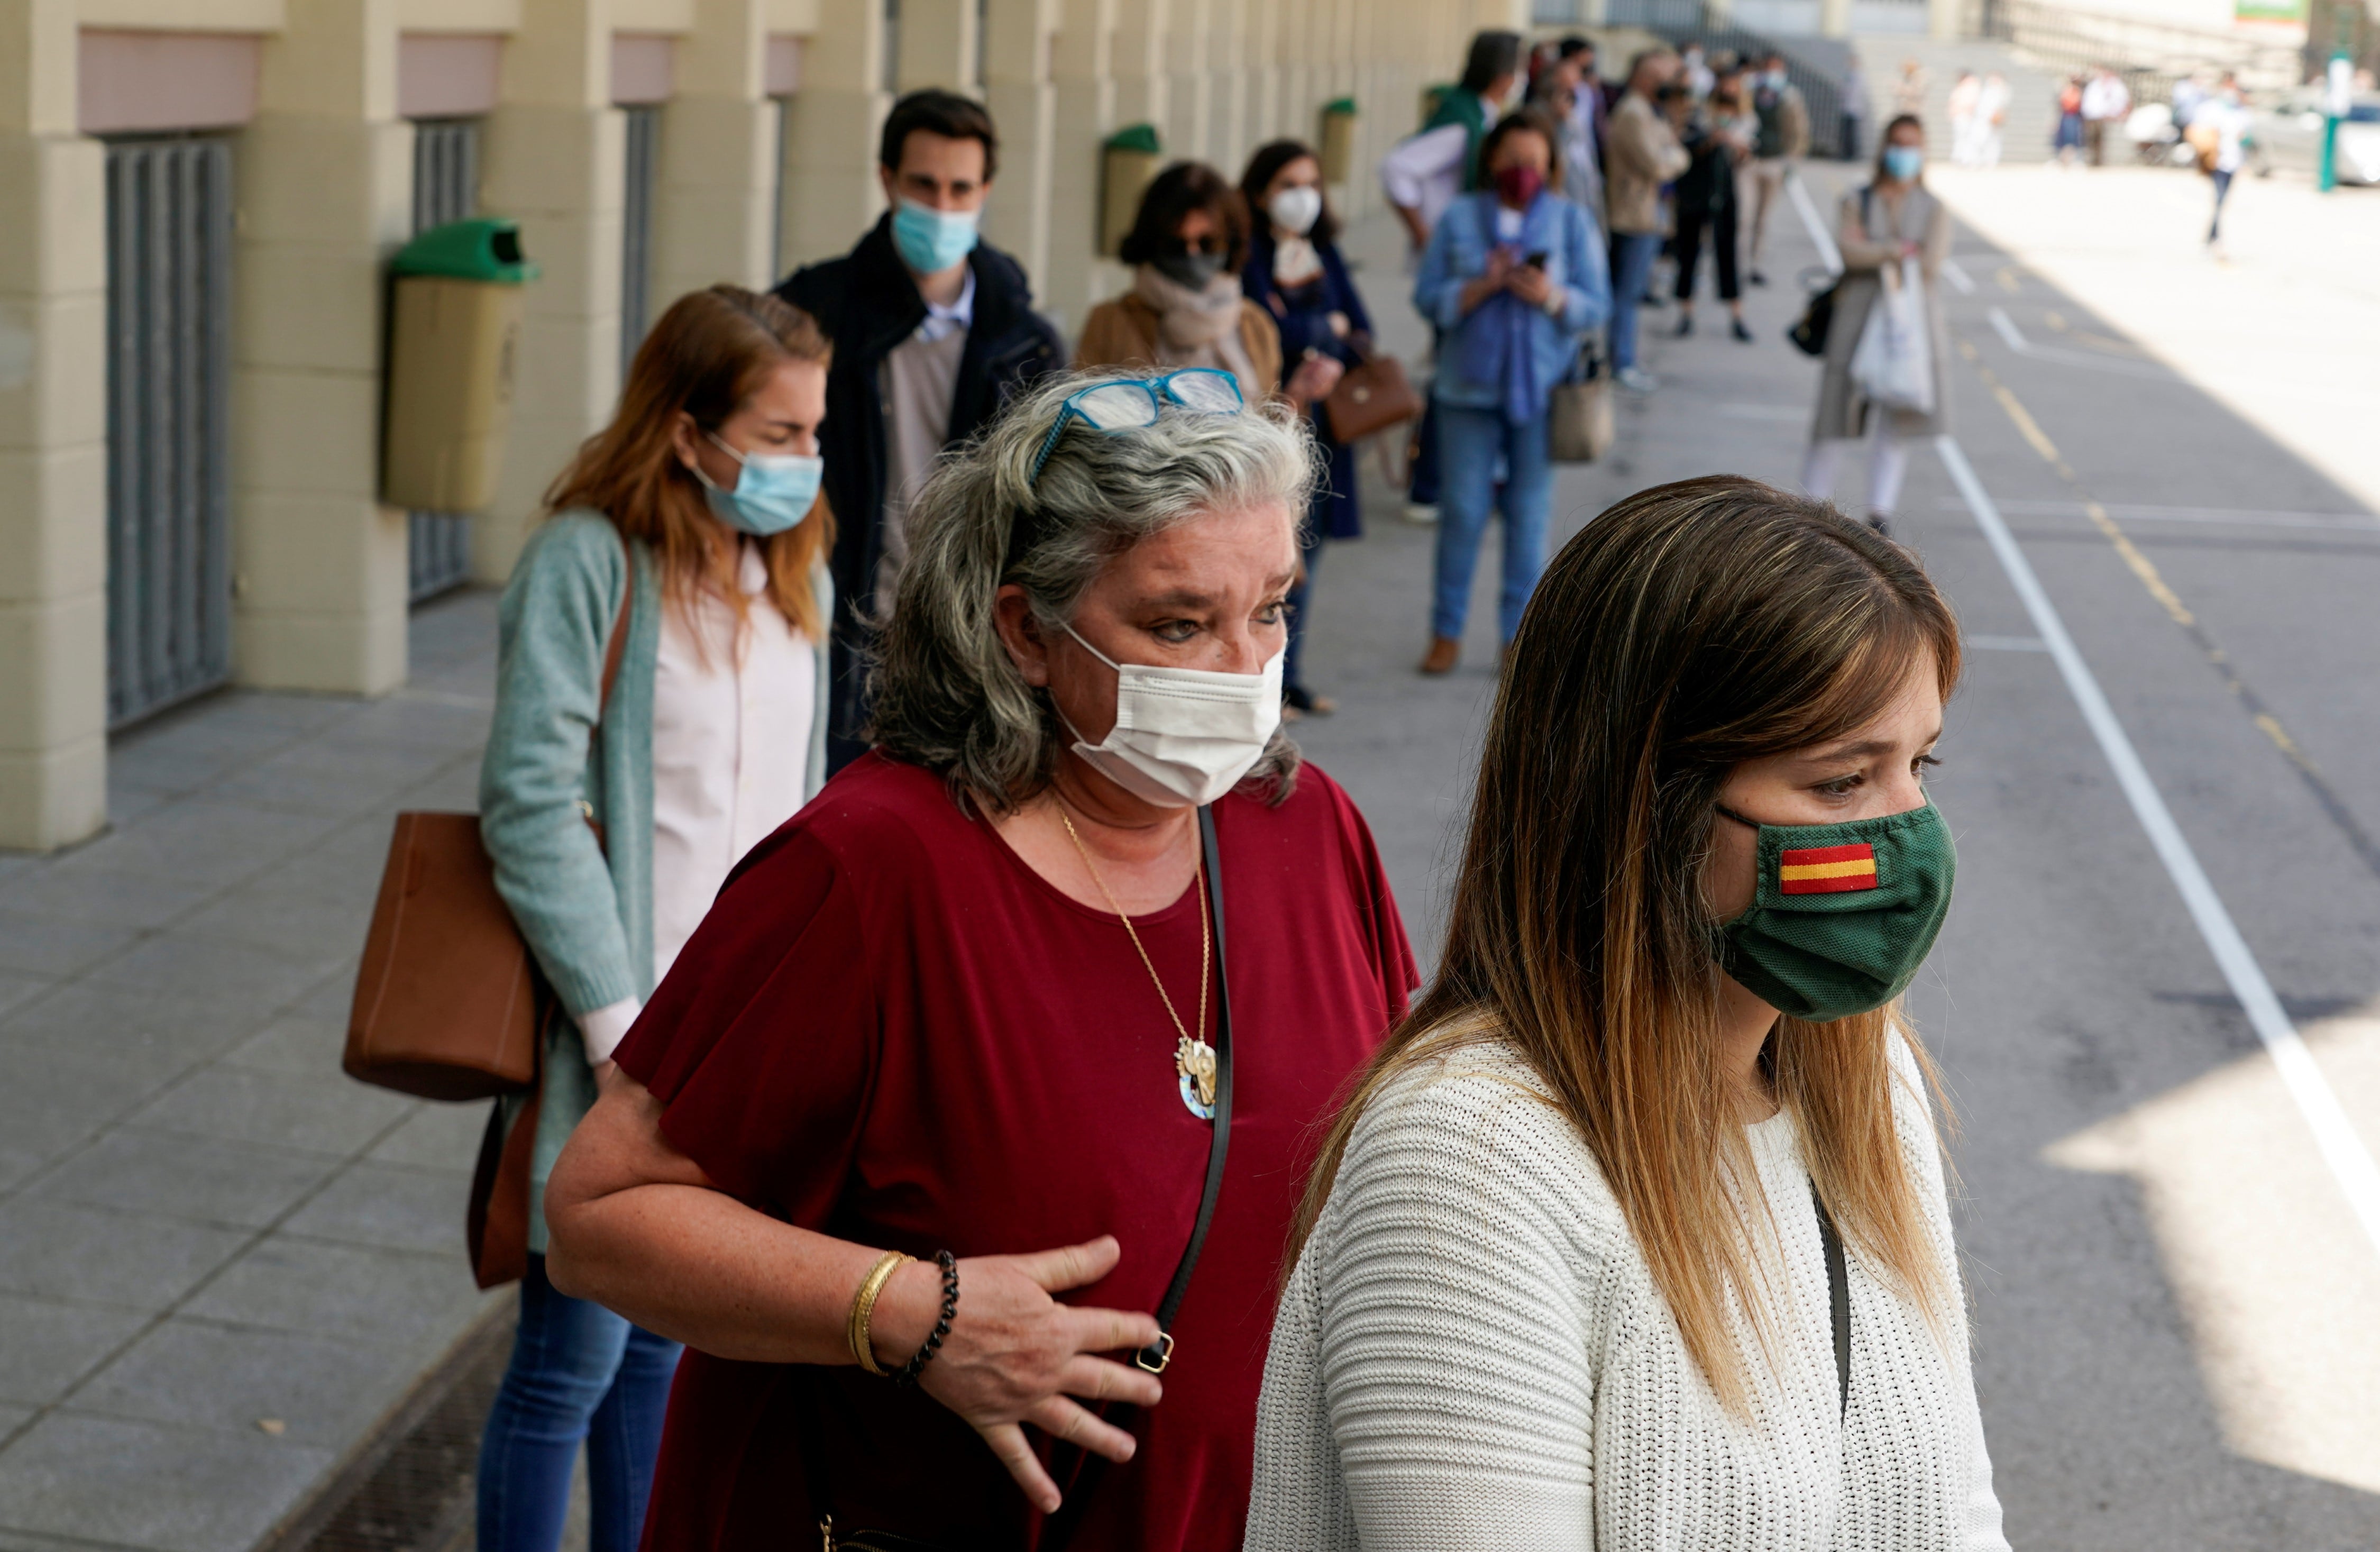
(221, 1261)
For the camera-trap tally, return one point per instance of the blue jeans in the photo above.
(578, 1372)
(1632, 265)
(1468, 442)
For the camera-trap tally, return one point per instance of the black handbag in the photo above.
(1809, 331)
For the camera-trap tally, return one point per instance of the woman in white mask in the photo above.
(1078, 951)
(1296, 273)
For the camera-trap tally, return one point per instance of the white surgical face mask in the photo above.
(1183, 736)
(1297, 210)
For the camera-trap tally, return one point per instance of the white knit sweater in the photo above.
(1471, 1354)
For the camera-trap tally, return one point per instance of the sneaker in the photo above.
(1636, 380)
(1758, 279)
(1685, 325)
(1420, 514)
(1735, 326)
(1300, 700)
(1880, 523)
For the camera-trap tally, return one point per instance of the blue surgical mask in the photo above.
(1903, 162)
(931, 240)
(773, 492)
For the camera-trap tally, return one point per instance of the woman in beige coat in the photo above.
(1186, 307)
(1892, 219)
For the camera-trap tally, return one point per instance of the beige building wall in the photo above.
(554, 159)
(746, 186)
(53, 449)
(324, 178)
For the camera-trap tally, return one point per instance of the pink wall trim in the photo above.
(642, 66)
(166, 80)
(783, 70)
(448, 75)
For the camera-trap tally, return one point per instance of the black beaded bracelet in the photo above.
(925, 1356)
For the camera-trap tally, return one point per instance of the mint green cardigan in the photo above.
(550, 764)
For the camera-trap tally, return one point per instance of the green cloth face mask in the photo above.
(1841, 915)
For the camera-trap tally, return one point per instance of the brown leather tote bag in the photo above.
(1372, 395)
(447, 995)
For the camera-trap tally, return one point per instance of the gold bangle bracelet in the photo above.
(863, 1308)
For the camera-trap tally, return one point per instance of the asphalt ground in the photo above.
(2172, 1298)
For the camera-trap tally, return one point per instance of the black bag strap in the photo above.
(1839, 1297)
(1157, 1354)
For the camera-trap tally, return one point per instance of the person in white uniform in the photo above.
(660, 709)
(1635, 1235)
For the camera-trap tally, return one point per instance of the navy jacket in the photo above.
(1304, 318)
(868, 304)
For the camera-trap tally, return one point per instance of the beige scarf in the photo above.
(1199, 328)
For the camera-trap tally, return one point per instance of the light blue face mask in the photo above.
(1904, 163)
(931, 240)
(772, 495)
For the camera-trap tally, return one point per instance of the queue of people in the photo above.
(953, 953)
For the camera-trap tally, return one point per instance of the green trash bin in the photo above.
(1128, 166)
(454, 346)
(1339, 126)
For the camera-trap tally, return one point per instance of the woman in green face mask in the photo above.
(1635, 1232)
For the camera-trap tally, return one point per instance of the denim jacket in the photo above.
(1457, 254)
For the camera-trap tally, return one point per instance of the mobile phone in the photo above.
(1536, 261)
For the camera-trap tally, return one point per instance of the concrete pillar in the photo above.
(831, 193)
(938, 45)
(1136, 59)
(1189, 107)
(555, 155)
(53, 440)
(1231, 133)
(1023, 105)
(1086, 110)
(325, 180)
(1834, 18)
(715, 213)
(1944, 18)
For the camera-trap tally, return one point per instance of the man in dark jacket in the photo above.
(933, 331)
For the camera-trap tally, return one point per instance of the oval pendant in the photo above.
(1195, 1061)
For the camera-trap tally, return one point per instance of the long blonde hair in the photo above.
(1690, 628)
(709, 353)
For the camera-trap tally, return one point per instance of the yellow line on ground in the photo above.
(2140, 565)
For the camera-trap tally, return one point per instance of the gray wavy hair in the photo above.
(945, 694)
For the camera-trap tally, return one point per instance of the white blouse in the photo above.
(1471, 1353)
(732, 709)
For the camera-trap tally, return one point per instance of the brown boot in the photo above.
(1444, 652)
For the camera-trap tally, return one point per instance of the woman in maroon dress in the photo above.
(980, 998)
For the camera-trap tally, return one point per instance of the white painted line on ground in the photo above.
(2011, 336)
(2351, 1164)
(2219, 516)
(2003, 643)
(1820, 238)
(1956, 274)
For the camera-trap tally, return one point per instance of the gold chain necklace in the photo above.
(1194, 1059)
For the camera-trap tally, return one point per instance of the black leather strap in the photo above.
(1839, 1297)
(1155, 1356)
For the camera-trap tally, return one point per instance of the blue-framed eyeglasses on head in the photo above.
(1131, 403)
